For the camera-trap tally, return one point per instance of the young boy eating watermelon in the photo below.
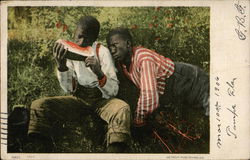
(92, 81)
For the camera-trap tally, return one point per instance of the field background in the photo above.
(180, 33)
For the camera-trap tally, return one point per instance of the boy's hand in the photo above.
(95, 66)
(59, 54)
(139, 133)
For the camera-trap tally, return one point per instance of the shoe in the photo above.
(117, 147)
(18, 121)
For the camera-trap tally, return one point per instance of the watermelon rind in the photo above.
(74, 48)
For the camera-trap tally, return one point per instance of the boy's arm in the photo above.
(64, 67)
(109, 82)
(149, 98)
(65, 78)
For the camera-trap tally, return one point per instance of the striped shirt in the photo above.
(148, 71)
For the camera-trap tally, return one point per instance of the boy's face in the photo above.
(118, 47)
(82, 37)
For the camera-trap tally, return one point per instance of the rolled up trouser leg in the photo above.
(45, 113)
(117, 114)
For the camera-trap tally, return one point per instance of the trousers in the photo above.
(45, 111)
(188, 84)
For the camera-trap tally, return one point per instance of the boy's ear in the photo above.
(129, 44)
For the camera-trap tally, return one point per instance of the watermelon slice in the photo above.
(76, 52)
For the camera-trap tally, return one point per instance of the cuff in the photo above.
(102, 81)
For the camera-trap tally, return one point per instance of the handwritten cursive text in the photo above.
(232, 131)
(230, 89)
(241, 21)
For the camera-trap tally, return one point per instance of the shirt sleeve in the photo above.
(149, 98)
(65, 78)
(109, 85)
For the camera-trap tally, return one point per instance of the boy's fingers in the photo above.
(54, 47)
(57, 50)
(90, 61)
(87, 60)
(87, 63)
(64, 53)
(54, 50)
(61, 51)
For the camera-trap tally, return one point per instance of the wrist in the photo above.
(100, 75)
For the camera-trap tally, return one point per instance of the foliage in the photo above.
(180, 33)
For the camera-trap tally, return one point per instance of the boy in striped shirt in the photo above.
(159, 79)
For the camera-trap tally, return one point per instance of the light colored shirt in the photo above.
(148, 70)
(85, 77)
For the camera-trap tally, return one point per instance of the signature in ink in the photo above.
(230, 89)
(230, 130)
(219, 139)
(216, 88)
(241, 20)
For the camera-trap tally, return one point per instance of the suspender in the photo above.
(97, 50)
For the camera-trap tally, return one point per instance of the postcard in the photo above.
(161, 79)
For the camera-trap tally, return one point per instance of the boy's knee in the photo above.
(116, 113)
(124, 113)
(122, 108)
(117, 105)
(125, 107)
(40, 103)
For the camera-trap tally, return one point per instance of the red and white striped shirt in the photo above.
(148, 70)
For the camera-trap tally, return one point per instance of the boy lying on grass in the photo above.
(159, 79)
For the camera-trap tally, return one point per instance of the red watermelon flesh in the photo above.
(74, 48)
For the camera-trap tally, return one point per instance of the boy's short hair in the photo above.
(123, 32)
(91, 23)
